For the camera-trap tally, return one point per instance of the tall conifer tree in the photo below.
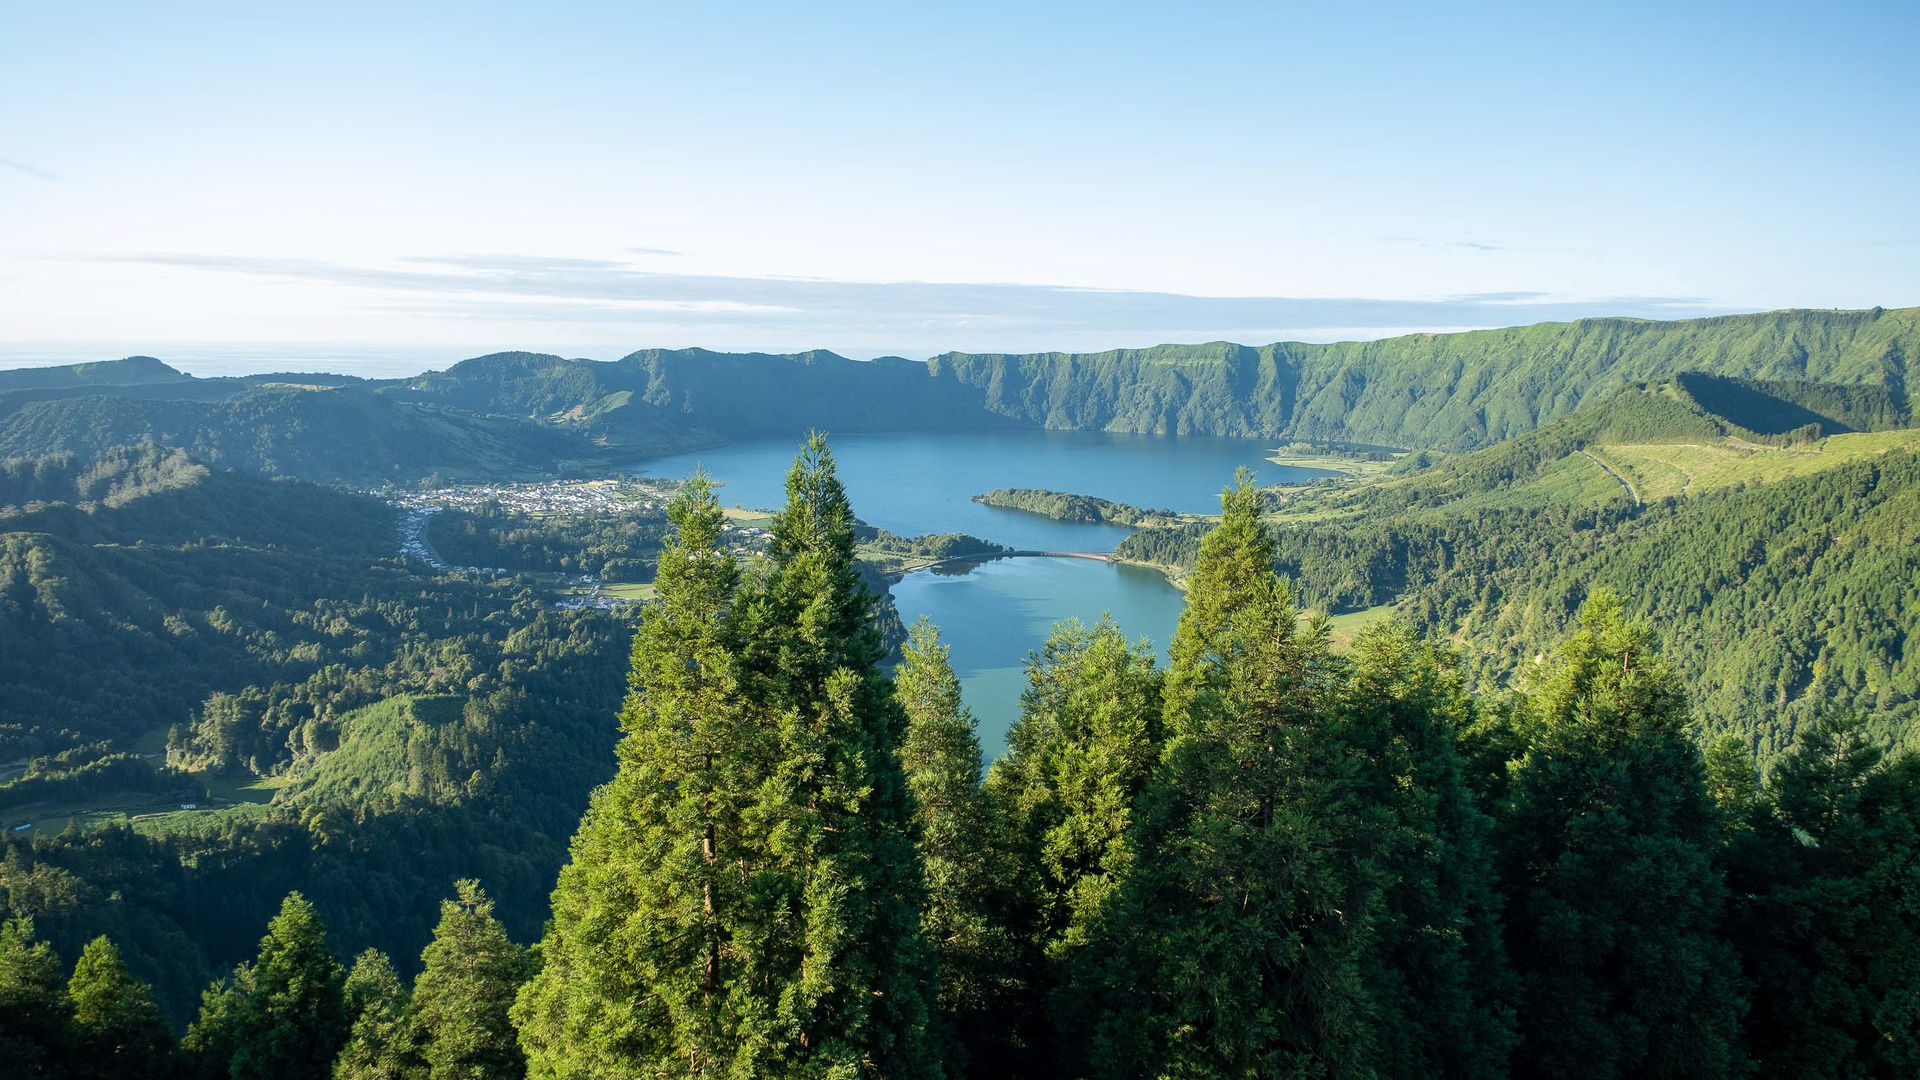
(743, 898)
(212, 1038)
(954, 831)
(283, 1017)
(1828, 917)
(1437, 968)
(1083, 748)
(1237, 943)
(1608, 855)
(380, 1040)
(1064, 795)
(118, 1030)
(861, 991)
(656, 961)
(34, 1011)
(469, 975)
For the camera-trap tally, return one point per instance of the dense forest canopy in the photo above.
(1619, 780)
(1267, 858)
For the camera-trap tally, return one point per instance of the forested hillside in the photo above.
(708, 394)
(1776, 569)
(329, 433)
(177, 634)
(1268, 858)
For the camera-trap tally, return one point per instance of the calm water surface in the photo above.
(994, 614)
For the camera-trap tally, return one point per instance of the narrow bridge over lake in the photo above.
(1102, 556)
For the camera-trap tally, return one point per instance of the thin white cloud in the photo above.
(1431, 242)
(23, 167)
(535, 289)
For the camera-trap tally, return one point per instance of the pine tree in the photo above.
(1828, 920)
(470, 973)
(657, 958)
(860, 990)
(380, 1040)
(1236, 945)
(281, 1018)
(118, 1030)
(953, 829)
(1437, 970)
(34, 1010)
(1607, 854)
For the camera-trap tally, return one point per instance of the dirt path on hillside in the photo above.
(1617, 475)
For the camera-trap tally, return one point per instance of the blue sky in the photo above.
(591, 178)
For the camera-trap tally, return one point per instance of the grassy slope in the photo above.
(1661, 470)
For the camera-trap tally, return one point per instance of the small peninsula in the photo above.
(1080, 509)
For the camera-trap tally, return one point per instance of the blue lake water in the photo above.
(997, 612)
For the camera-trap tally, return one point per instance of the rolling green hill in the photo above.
(332, 434)
(1778, 566)
(130, 371)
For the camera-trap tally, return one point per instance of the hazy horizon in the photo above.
(377, 361)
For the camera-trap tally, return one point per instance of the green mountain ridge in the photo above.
(529, 412)
(1441, 391)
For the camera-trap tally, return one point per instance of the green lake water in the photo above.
(995, 613)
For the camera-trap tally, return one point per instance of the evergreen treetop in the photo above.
(118, 1030)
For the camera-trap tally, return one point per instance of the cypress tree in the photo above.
(470, 973)
(294, 1019)
(118, 1030)
(1437, 969)
(282, 1017)
(858, 991)
(1608, 855)
(953, 831)
(380, 1041)
(1064, 794)
(34, 1010)
(657, 960)
(1828, 920)
(1236, 945)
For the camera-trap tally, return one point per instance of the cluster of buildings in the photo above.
(565, 498)
(545, 497)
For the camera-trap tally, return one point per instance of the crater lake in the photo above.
(993, 614)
